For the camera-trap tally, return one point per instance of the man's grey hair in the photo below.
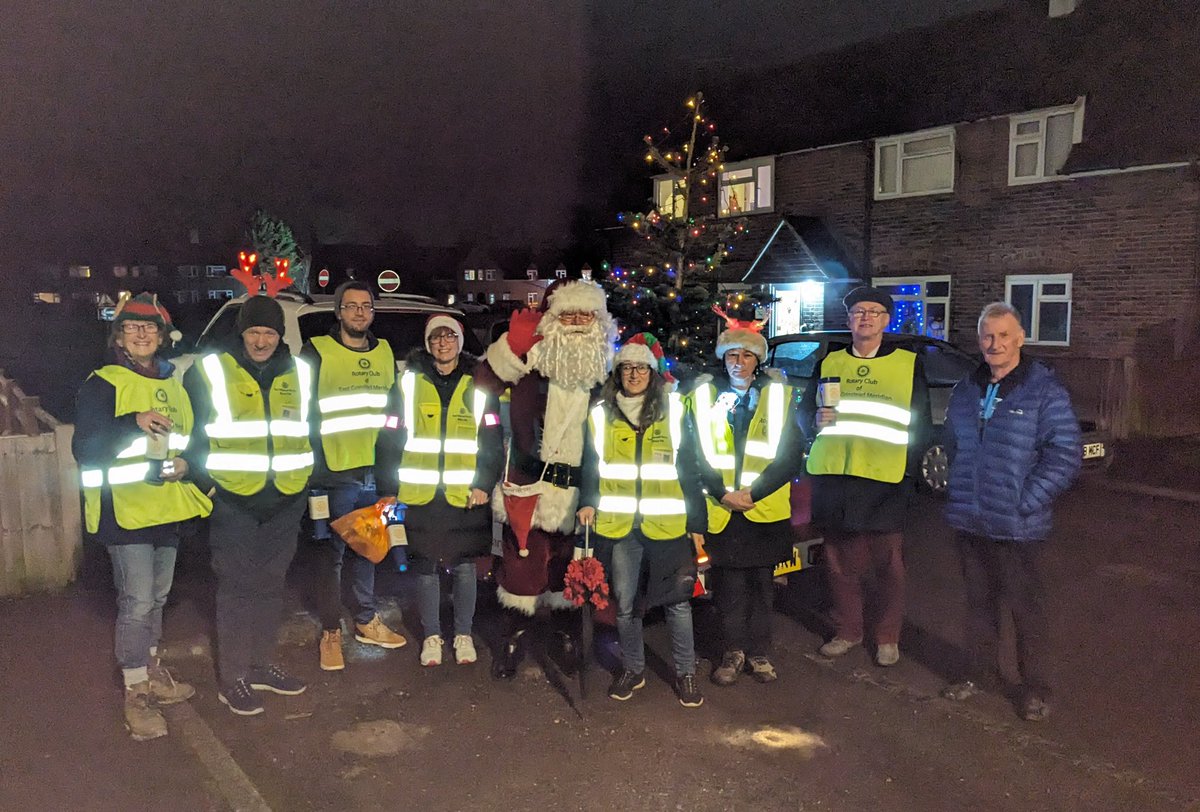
(996, 310)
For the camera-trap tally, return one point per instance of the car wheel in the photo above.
(935, 468)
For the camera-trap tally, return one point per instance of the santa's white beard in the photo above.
(573, 356)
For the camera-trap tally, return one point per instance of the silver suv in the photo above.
(399, 320)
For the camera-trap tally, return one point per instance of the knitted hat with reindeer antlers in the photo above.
(742, 335)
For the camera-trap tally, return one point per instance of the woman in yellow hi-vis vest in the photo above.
(750, 450)
(633, 496)
(132, 421)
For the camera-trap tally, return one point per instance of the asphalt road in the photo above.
(829, 735)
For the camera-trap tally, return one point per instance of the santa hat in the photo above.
(644, 348)
(440, 320)
(574, 296)
(144, 307)
(741, 335)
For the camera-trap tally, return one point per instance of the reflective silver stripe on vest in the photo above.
(337, 425)
(775, 411)
(435, 445)
(176, 442)
(894, 434)
(344, 403)
(705, 418)
(116, 475)
(654, 471)
(226, 428)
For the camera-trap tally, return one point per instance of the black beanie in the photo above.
(866, 293)
(260, 311)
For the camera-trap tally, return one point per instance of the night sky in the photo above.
(123, 125)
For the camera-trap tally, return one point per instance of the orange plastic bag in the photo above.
(365, 530)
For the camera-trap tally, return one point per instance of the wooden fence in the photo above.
(41, 542)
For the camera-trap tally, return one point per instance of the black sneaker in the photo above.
(625, 684)
(274, 679)
(688, 691)
(240, 698)
(761, 669)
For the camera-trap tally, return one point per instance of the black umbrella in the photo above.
(587, 625)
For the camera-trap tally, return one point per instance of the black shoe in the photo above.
(504, 666)
(240, 698)
(567, 653)
(1034, 708)
(761, 669)
(625, 683)
(688, 691)
(274, 679)
(731, 667)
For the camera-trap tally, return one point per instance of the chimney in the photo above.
(1061, 8)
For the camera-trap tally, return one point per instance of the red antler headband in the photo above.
(743, 324)
(245, 273)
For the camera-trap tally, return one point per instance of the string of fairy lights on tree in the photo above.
(670, 284)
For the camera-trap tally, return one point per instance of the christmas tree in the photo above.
(273, 239)
(670, 283)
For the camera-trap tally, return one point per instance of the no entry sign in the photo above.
(389, 281)
(323, 277)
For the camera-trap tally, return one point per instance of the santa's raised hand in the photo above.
(522, 331)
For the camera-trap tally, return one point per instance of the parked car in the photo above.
(945, 365)
(399, 319)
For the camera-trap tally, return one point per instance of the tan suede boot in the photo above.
(141, 718)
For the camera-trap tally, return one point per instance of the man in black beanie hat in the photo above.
(251, 442)
(863, 463)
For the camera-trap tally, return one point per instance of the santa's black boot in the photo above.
(565, 638)
(512, 650)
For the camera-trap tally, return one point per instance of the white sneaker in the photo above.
(888, 654)
(837, 647)
(464, 649)
(431, 650)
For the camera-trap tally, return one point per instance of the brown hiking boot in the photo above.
(164, 690)
(731, 667)
(142, 719)
(376, 633)
(331, 650)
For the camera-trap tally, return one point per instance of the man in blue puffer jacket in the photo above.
(1014, 446)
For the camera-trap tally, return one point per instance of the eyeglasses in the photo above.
(577, 318)
(860, 313)
(632, 369)
(443, 338)
(139, 327)
(359, 308)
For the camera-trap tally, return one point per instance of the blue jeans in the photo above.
(429, 599)
(344, 498)
(626, 577)
(142, 574)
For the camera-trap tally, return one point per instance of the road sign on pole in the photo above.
(323, 277)
(389, 281)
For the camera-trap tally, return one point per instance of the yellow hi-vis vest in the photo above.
(762, 446)
(870, 437)
(428, 461)
(136, 503)
(352, 395)
(248, 446)
(647, 492)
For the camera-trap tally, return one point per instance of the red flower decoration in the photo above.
(585, 582)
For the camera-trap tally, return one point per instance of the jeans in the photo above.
(626, 578)
(743, 597)
(429, 599)
(344, 498)
(250, 559)
(142, 574)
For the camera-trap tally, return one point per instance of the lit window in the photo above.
(921, 304)
(532, 298)
(490, 275)
(1039, 143)
(561, 273)
(1044, 302)
(747, 187)
(220, 294)
(469, 276)
(189, 271)
(491, 298)
(504, 296)
(80, 271)
(450, 299)
(213, 271)
(120, 271)
(670, 197)
(531, 274)
(915, 164)
(469, 297)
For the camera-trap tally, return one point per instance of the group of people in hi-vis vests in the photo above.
(597, 438)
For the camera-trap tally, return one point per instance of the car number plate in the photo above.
(1093, 450)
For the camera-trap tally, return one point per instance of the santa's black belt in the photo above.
(558, 474)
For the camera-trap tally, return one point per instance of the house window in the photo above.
(531, 274)
(561, 273)
(532, 298)
(80, 271)
(489, 275)
(181, 296)
(213, 271)
(220, 294)
(1044, 302)
(491, 298)
(451, 299)
(189, 271)
(468, 297)
(1039, 143)
(747, 187)
(469, 276)
(670, 197)
(504, 296)
(915, 164)
(921, 304)
(120, 271)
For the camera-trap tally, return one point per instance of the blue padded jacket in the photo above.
(1006, 473)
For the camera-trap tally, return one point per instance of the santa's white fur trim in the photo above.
(525, 604)
(739, 338)
(556, 601)
(504, 362)
(577, 297)
(565, 408)
(636, 354)
(555, 509)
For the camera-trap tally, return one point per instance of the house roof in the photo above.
(788, 249)
(1138, 71)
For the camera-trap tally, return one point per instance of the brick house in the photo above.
(1040, 153)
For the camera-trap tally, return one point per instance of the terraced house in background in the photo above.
(1043, 153)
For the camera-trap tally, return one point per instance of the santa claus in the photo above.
(551, 361)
